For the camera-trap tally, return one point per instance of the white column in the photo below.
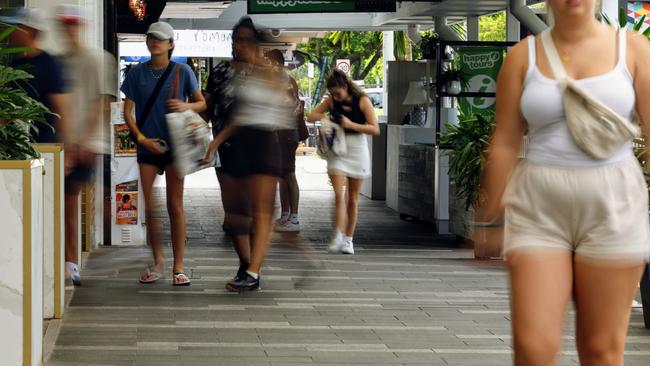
(473, 29)
(610, 8)
(513, 27)
(388, 48)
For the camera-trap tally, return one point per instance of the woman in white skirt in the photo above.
(576, 228)
(351, 108)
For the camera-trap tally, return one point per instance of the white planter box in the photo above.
(21, 263)
(53, 231)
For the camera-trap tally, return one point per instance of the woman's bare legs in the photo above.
(541, 285)
(148, 175)
(261, 189)
(603, 294)
(175, 187)
(352, 209)
(285, 202)
(340, 201)
(236, 204)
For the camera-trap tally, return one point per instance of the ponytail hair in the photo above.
(339, 79)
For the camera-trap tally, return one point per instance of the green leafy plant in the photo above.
(467, 143)
(624, 23)
(18, 111)
(429, 44)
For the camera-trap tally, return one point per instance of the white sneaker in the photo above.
(288, 226)
(336, 244)
(281, 221)
(347, 247)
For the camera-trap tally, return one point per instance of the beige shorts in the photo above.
(599, 213)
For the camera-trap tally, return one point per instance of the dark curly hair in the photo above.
(247, 23)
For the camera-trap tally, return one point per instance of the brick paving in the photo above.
(408, 297)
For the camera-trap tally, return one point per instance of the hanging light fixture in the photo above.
(139, 8)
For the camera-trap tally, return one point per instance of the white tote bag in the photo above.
(331, 140)
(190, 137)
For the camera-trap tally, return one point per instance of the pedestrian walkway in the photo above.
(408, 297)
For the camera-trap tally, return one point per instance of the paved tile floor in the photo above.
(408, 297)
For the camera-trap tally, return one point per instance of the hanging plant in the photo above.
(429, 45)
(454, 80)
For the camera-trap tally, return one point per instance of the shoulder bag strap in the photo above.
(553, 57)
(174, 90)
(152, 98)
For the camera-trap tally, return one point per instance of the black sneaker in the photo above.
(240, 272)
(245, 283)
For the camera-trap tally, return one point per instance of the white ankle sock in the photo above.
(347, 239)
(338, 235)
(284, 216)
(253, 274)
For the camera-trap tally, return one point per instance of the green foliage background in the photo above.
(17, 110)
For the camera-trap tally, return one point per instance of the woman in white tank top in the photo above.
(575, 227)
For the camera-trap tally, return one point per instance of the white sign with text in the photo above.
(189, 43)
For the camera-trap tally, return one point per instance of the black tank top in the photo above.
(355, 114)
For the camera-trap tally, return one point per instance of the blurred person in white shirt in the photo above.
(90, 75)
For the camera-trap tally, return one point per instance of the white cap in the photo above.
(161, 30)
(28, 17)
(68, 13)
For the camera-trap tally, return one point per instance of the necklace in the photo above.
(157, 74)
(564, 56)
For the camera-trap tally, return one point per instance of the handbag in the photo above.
(597, 129)
(190, 135)
(331, 140)
(303, 132)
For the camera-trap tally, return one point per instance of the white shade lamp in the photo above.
(417, 97)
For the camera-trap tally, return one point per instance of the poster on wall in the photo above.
(117, 113)
(126, 203)
(481, 67)
(123, 143)
(637, 10)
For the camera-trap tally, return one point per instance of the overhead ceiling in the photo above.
(194, 9)
(195, 14)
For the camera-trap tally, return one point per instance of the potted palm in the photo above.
(465, 143)
(21, 218)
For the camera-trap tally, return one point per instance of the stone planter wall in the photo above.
(416, 181)
(21, 265)
(53, 231)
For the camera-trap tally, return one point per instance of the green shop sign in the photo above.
(319, 6)
(481, 67)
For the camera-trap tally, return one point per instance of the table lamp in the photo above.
(417, 96)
